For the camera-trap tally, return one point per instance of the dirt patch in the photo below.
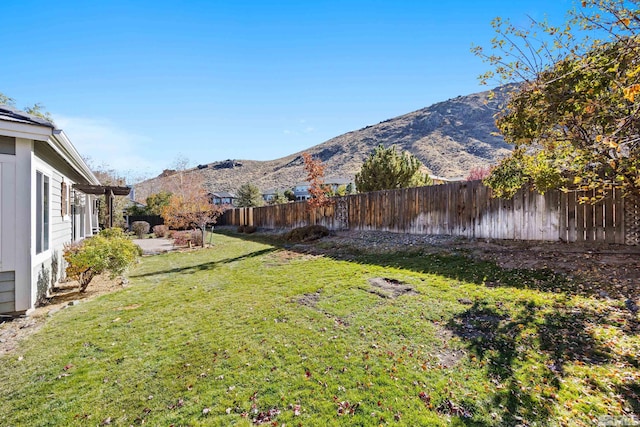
(390, 288)
(65, 295)
(284, 257)
(447, 356)
(310, 300)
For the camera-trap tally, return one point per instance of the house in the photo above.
(222, 198)
(301, 191)
(335, 183)
(269, 195)
(45, 202)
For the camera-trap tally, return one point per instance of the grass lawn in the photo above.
(247, 333)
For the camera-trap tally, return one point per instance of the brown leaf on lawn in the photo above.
(266, 416)
(346, 408)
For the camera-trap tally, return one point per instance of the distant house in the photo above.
(301, 191)
(269, 195)
(222, 198)
(46, 201)
(335, 183)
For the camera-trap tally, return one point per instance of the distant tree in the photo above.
(135, 210)
(478, 173)
(350, 189)
(386, 169)
(156, 202)
(317, 188)
(36, 110)
(180, 163)
(109, 176)
(5, 100)
(341, 190)
(290, 195)
(40, 111)
(279, 199)
(248, 195)
(190, 205)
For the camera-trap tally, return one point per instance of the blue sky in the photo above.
(137, 84)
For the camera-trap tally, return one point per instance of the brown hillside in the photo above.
(449, 137)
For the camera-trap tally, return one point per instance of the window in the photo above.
(64, 199)
(7, 145)
(42, 212)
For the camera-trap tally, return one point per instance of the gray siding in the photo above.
(60, 227)
(46, 153)
(7, 291)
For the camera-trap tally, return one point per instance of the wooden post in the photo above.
(108, 195)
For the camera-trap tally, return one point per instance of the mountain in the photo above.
(449, 137)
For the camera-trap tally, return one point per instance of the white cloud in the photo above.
(105, 143)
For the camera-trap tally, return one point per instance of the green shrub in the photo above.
(109, 251)
(140, 228)
(110, 233)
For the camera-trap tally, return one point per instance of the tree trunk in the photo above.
(203, 231)
(85, 278)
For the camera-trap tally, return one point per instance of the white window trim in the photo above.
(47, 171)
(69, 184)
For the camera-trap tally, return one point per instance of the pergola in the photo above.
(108, 191)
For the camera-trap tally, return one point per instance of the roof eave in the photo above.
(63, 146)
(25, 130)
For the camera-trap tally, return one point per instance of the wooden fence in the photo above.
(462, 209)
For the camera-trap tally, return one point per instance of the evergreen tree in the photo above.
(249, 196)
(290, 195)
(386, 169)
(279, 199)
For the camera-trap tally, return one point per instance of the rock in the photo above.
(632, 306)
